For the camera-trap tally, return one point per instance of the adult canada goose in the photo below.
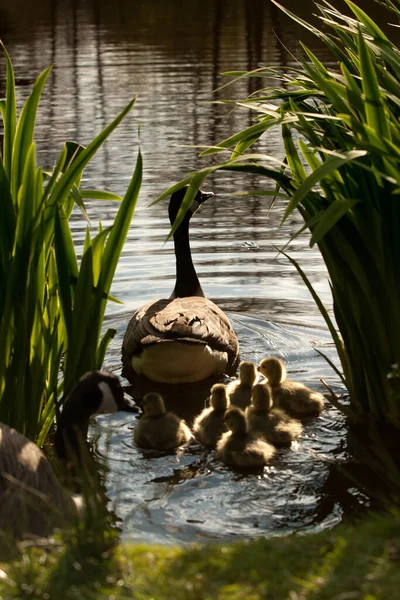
(209, 425)
(238, 447)
(31, 497)
(160, 429)
(273, 424)
(184, 338)
(297, 399)
(239, 392)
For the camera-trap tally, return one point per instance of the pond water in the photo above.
(171, 57)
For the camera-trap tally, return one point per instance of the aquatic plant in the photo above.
(51, 306)
(341, 135)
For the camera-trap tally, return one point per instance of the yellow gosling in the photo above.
(238, 447)
(209, 425)
(160, 429)
(239, 392)
(273, 424)
(297, 399)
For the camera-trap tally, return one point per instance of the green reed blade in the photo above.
(24, 133)
(103, 345)
(374, 104)
(330, 217)
(329, 166)
(9, 113)
(369, 24)
(294, 162)
(7, 222)
(100, 195)
(120, 228)
(190, 194)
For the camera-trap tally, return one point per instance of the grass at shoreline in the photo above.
(359, 560)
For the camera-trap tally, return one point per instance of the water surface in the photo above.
(172, 57)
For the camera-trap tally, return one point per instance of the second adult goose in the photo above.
(186, 337)
(32, 499)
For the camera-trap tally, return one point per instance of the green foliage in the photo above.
(341, 134)
(51, 307)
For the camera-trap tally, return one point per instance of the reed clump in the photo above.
(51, 306)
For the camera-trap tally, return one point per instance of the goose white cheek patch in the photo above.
(108, 403)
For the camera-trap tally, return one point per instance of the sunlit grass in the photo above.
(51, 306)
(359, 560)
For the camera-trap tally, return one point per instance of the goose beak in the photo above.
(203, 196)
(127, 405)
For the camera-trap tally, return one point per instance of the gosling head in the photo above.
(153, 405)
(235, 420)
(261, 397)
(219, 397)
(177, 199)
(247, 372)
(273, 369)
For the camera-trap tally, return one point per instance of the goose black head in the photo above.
(177, 199)
(96, 392)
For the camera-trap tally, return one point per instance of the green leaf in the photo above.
(9, 112)
(24, 133)
(330, 217)
(104, 343)
(374, 104)
(370, 25)
(191, 192)
(331, 164)
(100, 195)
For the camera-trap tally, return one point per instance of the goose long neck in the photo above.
(71, 433)
(187, 282)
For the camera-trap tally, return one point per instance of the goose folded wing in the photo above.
(190, 320)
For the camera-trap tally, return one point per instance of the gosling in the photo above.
(273, 424)
(239, 392)
(160, 429)
(238, 447)
(209, 425)
(297, 399)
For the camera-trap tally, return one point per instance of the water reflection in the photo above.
(172, 57)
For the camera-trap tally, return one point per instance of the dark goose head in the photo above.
(97, 392)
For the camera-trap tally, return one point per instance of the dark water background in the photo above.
(171, 55)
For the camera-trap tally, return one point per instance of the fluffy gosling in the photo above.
(238, 447)
(296, 398)
(209, 425)
(160, 429)
(239, 392)
(273, 424)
